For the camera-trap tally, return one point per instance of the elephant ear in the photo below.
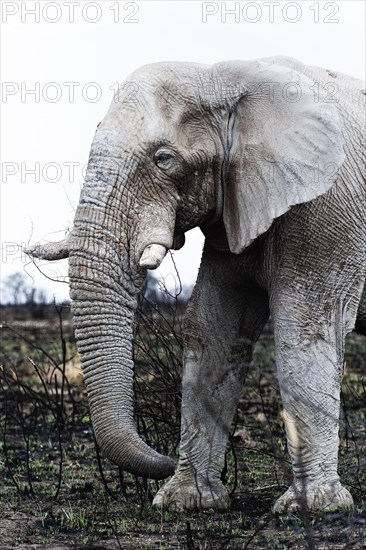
(284, 147)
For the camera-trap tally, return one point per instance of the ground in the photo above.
(57, 492)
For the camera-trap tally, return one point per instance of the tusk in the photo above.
(49, 251)
(152, 256)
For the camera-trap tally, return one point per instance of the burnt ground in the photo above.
(57, 492)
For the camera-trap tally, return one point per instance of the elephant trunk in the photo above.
(104, 292)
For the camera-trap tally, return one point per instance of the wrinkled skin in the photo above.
(271, 167)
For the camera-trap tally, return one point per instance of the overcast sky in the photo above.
(61, 62)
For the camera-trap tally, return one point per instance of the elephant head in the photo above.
(229, 148)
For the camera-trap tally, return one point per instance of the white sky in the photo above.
(44, 55)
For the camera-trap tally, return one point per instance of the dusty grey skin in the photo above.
(273, 173)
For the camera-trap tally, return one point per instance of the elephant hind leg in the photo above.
(360, 325)
(309, 359)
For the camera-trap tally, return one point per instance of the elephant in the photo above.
(267, 158)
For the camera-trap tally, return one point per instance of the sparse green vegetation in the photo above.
(57, 490)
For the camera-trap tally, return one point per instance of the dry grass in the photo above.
(57, 492)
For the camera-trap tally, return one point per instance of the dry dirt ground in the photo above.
(57, 493)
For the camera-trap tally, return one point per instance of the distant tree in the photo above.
(158, 295)
(17, 289)
(151, 288)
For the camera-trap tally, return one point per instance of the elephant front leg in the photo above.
(208, 406)
(309, 360)
(223, 323)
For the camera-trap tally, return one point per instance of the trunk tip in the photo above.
(159, 467)
(132, 454)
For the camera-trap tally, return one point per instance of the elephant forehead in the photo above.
(152, 119)
(169, 85)
(169, 72)
(157, 103)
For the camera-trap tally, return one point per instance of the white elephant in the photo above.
(268, 158)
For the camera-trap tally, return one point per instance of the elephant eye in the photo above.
(164, 159)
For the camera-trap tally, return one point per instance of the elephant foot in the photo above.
(313, 497)
(179, 495)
